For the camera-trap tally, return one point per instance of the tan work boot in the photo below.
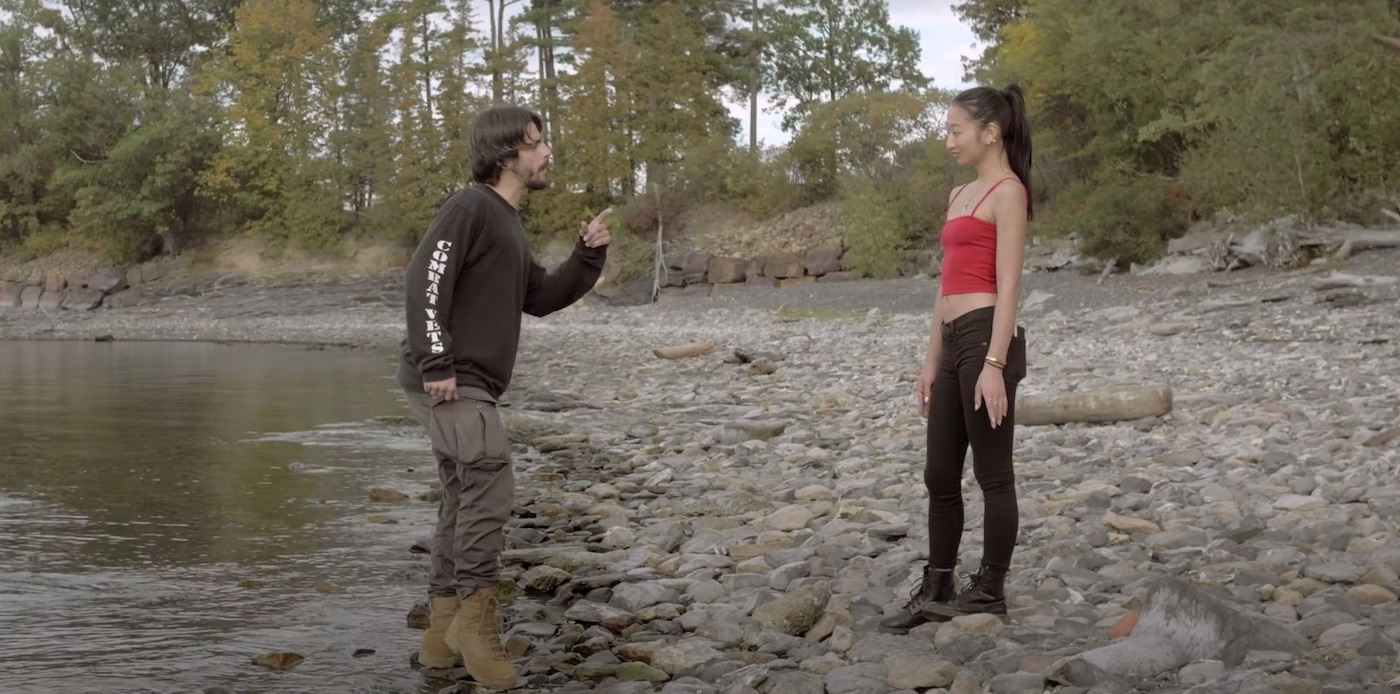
(476, 634)
(433, 652)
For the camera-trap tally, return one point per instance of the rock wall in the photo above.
(823, 262)
(697, 272)
(52, 291)
(724, 231)
(689, 272)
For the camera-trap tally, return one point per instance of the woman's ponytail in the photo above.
(1018, 141)
(1006, 108)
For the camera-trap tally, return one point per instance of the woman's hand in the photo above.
(924, 388)
(991, 391)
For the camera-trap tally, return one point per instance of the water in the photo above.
(168, 511)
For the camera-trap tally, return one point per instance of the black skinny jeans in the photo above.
(953, 425)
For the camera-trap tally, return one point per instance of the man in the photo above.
(467, 285)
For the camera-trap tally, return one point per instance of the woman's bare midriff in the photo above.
(956, 305)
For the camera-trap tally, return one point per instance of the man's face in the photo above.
(531, 164)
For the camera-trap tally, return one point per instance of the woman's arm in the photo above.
(1009, 206)
(935, 335)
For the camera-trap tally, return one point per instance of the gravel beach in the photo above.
(739, 521)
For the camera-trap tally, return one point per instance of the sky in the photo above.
(944, 41)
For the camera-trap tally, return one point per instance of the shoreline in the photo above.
(361, 311)
(766, 498)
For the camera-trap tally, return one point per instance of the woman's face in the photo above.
(967, 139)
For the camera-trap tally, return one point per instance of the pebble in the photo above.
(694, 527)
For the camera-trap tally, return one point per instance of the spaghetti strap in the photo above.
(956, 194)
(989, 192)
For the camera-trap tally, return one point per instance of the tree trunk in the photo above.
(754, 81)
(495, 10)
(427, 73)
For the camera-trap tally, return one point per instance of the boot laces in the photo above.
(918, 589)
(974, 583)
(492, 626)
(918, 597)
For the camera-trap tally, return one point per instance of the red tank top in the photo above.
(970, 251)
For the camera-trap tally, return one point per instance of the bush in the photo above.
(1128, 219)
(875, 240)
(644, 215)
(762, 185)
(556, 212)
(638, 255)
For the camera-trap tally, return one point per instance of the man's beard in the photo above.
(537, 181)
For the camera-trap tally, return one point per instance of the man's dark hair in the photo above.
(498, 133)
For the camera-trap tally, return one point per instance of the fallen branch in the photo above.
(684, 351)
(1391, 43)
(1108, 269)
(1216, 284)
(1356, 241)
(1095, 407)
(1339, 280)
(80, 158)
(1361, 238)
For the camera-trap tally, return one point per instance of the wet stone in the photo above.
(683, 518)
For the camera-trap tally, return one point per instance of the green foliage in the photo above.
(145, 185)
(1292, 133)
(638, 254)
(1257, 110)
(308, 123)
(875, 242)
(856, 137)
(759, 183)
(822, 51)
(1129, 218)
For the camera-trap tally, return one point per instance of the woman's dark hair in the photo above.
(1006, 108)
(497, 136)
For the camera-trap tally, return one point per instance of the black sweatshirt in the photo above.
(467, 285)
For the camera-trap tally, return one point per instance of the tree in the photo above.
(28, 153)
(987, 18)
(162, 37)
(675, 107)
(271, 169)
(820, 51)
(596, 155)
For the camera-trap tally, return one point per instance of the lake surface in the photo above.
(169, 511)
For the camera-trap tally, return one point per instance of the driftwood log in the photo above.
(1367, 239)
(1391, 43)
(1342, 280)
(1094, 407)
(694, 349)
(1361, 239)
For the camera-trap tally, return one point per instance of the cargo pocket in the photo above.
(457, 431)
(495, 439)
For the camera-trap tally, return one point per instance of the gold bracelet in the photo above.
(996, 362)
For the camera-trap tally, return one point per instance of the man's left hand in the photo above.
(595, 233)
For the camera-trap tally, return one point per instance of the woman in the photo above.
(976, 355)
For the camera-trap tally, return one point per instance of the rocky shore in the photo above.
(739, 520)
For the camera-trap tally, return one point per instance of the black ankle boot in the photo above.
(985, 594)
(935, 587)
